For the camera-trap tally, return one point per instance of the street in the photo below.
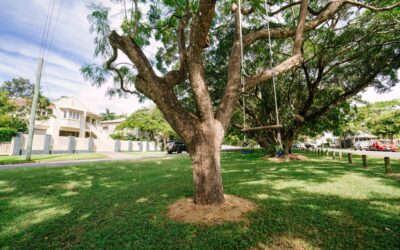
(392, 155)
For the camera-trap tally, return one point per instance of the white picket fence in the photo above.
(5, 148)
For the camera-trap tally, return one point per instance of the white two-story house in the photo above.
(71, 118)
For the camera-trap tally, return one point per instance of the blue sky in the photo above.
(21, 27)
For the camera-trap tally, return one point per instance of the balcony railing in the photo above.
(70, 123)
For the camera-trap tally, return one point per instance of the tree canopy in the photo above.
(147, 120)
(109, 115)
(8, 118)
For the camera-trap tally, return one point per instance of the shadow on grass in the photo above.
(123, 205)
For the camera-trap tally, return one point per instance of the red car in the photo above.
(378, 146)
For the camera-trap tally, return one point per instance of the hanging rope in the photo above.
(242, 68)
(271, 64)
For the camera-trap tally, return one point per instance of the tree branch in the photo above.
(370, 7)
(135, 54)
(350, 93)
(232, 89)
(200, 27)
(289, 63)
(325, 14)
(175, 77)
(109, 65)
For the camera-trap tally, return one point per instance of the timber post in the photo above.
(364, 161)
(388, 167)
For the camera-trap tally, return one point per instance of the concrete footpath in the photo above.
(113, 156)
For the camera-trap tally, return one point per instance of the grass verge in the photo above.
(317, 203)
(49, 158)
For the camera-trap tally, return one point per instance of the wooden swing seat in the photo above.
(261, 128)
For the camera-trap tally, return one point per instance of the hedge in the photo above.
(6, 134)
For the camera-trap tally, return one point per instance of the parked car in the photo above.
(176, 146)
(378, 146)
(362, 145)
(311, 145)
(299, 145)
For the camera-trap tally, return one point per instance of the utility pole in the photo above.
(33, 109)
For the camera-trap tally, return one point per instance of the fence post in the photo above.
(90, 145)
(130, 146)
(117, 146)
(340, 156)
(350, 157)
(333, 155)
(16, 145)
(388, 167)
(140, 146)
(71, 144)
(327, 152)
(147, 146)
(364, 161)
(47, 144)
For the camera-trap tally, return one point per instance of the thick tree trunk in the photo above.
(205, 151)
(207, 176)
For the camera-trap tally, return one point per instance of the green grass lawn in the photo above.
(47, 158)
(317, 203)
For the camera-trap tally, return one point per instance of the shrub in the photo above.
(6, 134)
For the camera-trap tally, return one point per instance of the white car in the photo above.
(299, 145)
(361, 145)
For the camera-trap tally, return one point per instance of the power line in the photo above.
(54, 29)
(48, 28)
(50, 48)
(45, 28)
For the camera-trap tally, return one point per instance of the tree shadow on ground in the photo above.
(123, 205)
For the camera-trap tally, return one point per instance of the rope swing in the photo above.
(277, 126)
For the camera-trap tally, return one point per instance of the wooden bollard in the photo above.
(340, 156)
(364, 161)
(350, 158)
(388, 167)
(333, 155)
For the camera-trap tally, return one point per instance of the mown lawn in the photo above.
(47, 158)
(317, 203)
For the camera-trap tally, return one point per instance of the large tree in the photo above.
(338, 65)
(184, 31)
(20, 91)
(148, 120)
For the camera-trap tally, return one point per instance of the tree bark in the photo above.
(205, 151)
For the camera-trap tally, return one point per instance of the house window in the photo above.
(77, 116)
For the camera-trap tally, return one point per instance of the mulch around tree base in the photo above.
(283, 159)
(233, 209)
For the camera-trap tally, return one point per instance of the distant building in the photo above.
(110, 126)
(70, 117)
(349, 141)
